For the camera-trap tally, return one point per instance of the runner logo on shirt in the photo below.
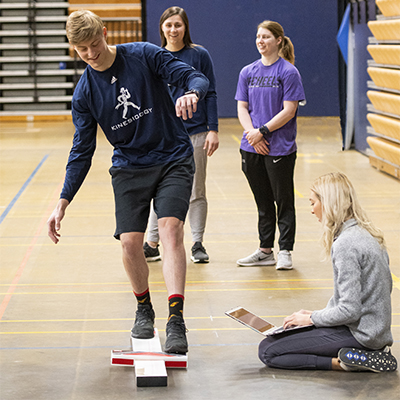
(123, 101)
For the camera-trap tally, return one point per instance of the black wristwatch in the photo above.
(263, 130)
(193, 91)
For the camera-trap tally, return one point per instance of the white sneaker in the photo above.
(258, 258)
(284, 260)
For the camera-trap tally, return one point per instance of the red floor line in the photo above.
(13, 285)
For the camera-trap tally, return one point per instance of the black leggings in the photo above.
(271, 181)
(311, 348)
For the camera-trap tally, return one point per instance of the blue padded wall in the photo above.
(361, 13)
(227, 29)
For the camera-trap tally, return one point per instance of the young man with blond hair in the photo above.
(124, 89)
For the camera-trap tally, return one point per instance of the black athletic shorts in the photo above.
(170, 186)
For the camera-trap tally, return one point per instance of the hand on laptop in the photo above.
(299, 318)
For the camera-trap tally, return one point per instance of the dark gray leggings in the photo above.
(311, 348)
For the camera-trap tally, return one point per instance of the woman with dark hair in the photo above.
(352, 333)
(202, 128)
(268, 93)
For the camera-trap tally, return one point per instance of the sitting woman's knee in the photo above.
(264, 351)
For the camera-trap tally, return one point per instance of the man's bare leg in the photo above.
(174, 265)
(174, 269)
(138, 273)
(134, 261)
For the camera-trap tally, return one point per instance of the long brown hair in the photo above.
(286, 48)
(170, 12)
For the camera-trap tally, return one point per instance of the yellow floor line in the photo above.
(124, 331)
(210, 318)
(396, 281)
(298, 194)
(236, 139)
(396, 284)
(122, 319)
(102, 244)
(164, 290)
(162, 282)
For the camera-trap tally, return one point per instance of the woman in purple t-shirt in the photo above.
(268, 94)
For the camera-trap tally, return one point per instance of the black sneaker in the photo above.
(373, 360)
(151, 253)
(176, 341)
(144, 322)
(199, 254)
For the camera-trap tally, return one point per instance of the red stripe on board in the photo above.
(176, 364)
(146, 353)
(119, 361)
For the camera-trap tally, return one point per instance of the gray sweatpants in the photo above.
(198, 202)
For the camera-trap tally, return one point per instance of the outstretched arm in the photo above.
(54, 222)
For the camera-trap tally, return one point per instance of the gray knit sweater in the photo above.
(362, 288)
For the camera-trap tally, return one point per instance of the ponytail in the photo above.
(287, 50)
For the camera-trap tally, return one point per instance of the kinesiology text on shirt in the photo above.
(128, 121)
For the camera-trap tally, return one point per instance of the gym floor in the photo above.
(65, 307)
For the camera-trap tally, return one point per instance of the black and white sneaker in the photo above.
(144, 322)
(360, 360)
(199, 254)
(176, 341)
(151, 253)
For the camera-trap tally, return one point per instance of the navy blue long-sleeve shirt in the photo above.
(132, 104)
(206, 117)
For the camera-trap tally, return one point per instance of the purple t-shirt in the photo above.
(265, 88)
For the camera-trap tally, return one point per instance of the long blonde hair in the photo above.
(286, 48)
(339, 203)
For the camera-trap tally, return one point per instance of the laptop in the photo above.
(257, 323)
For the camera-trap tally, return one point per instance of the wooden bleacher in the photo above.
(123, 20)
(384, 70)
(38, 67)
